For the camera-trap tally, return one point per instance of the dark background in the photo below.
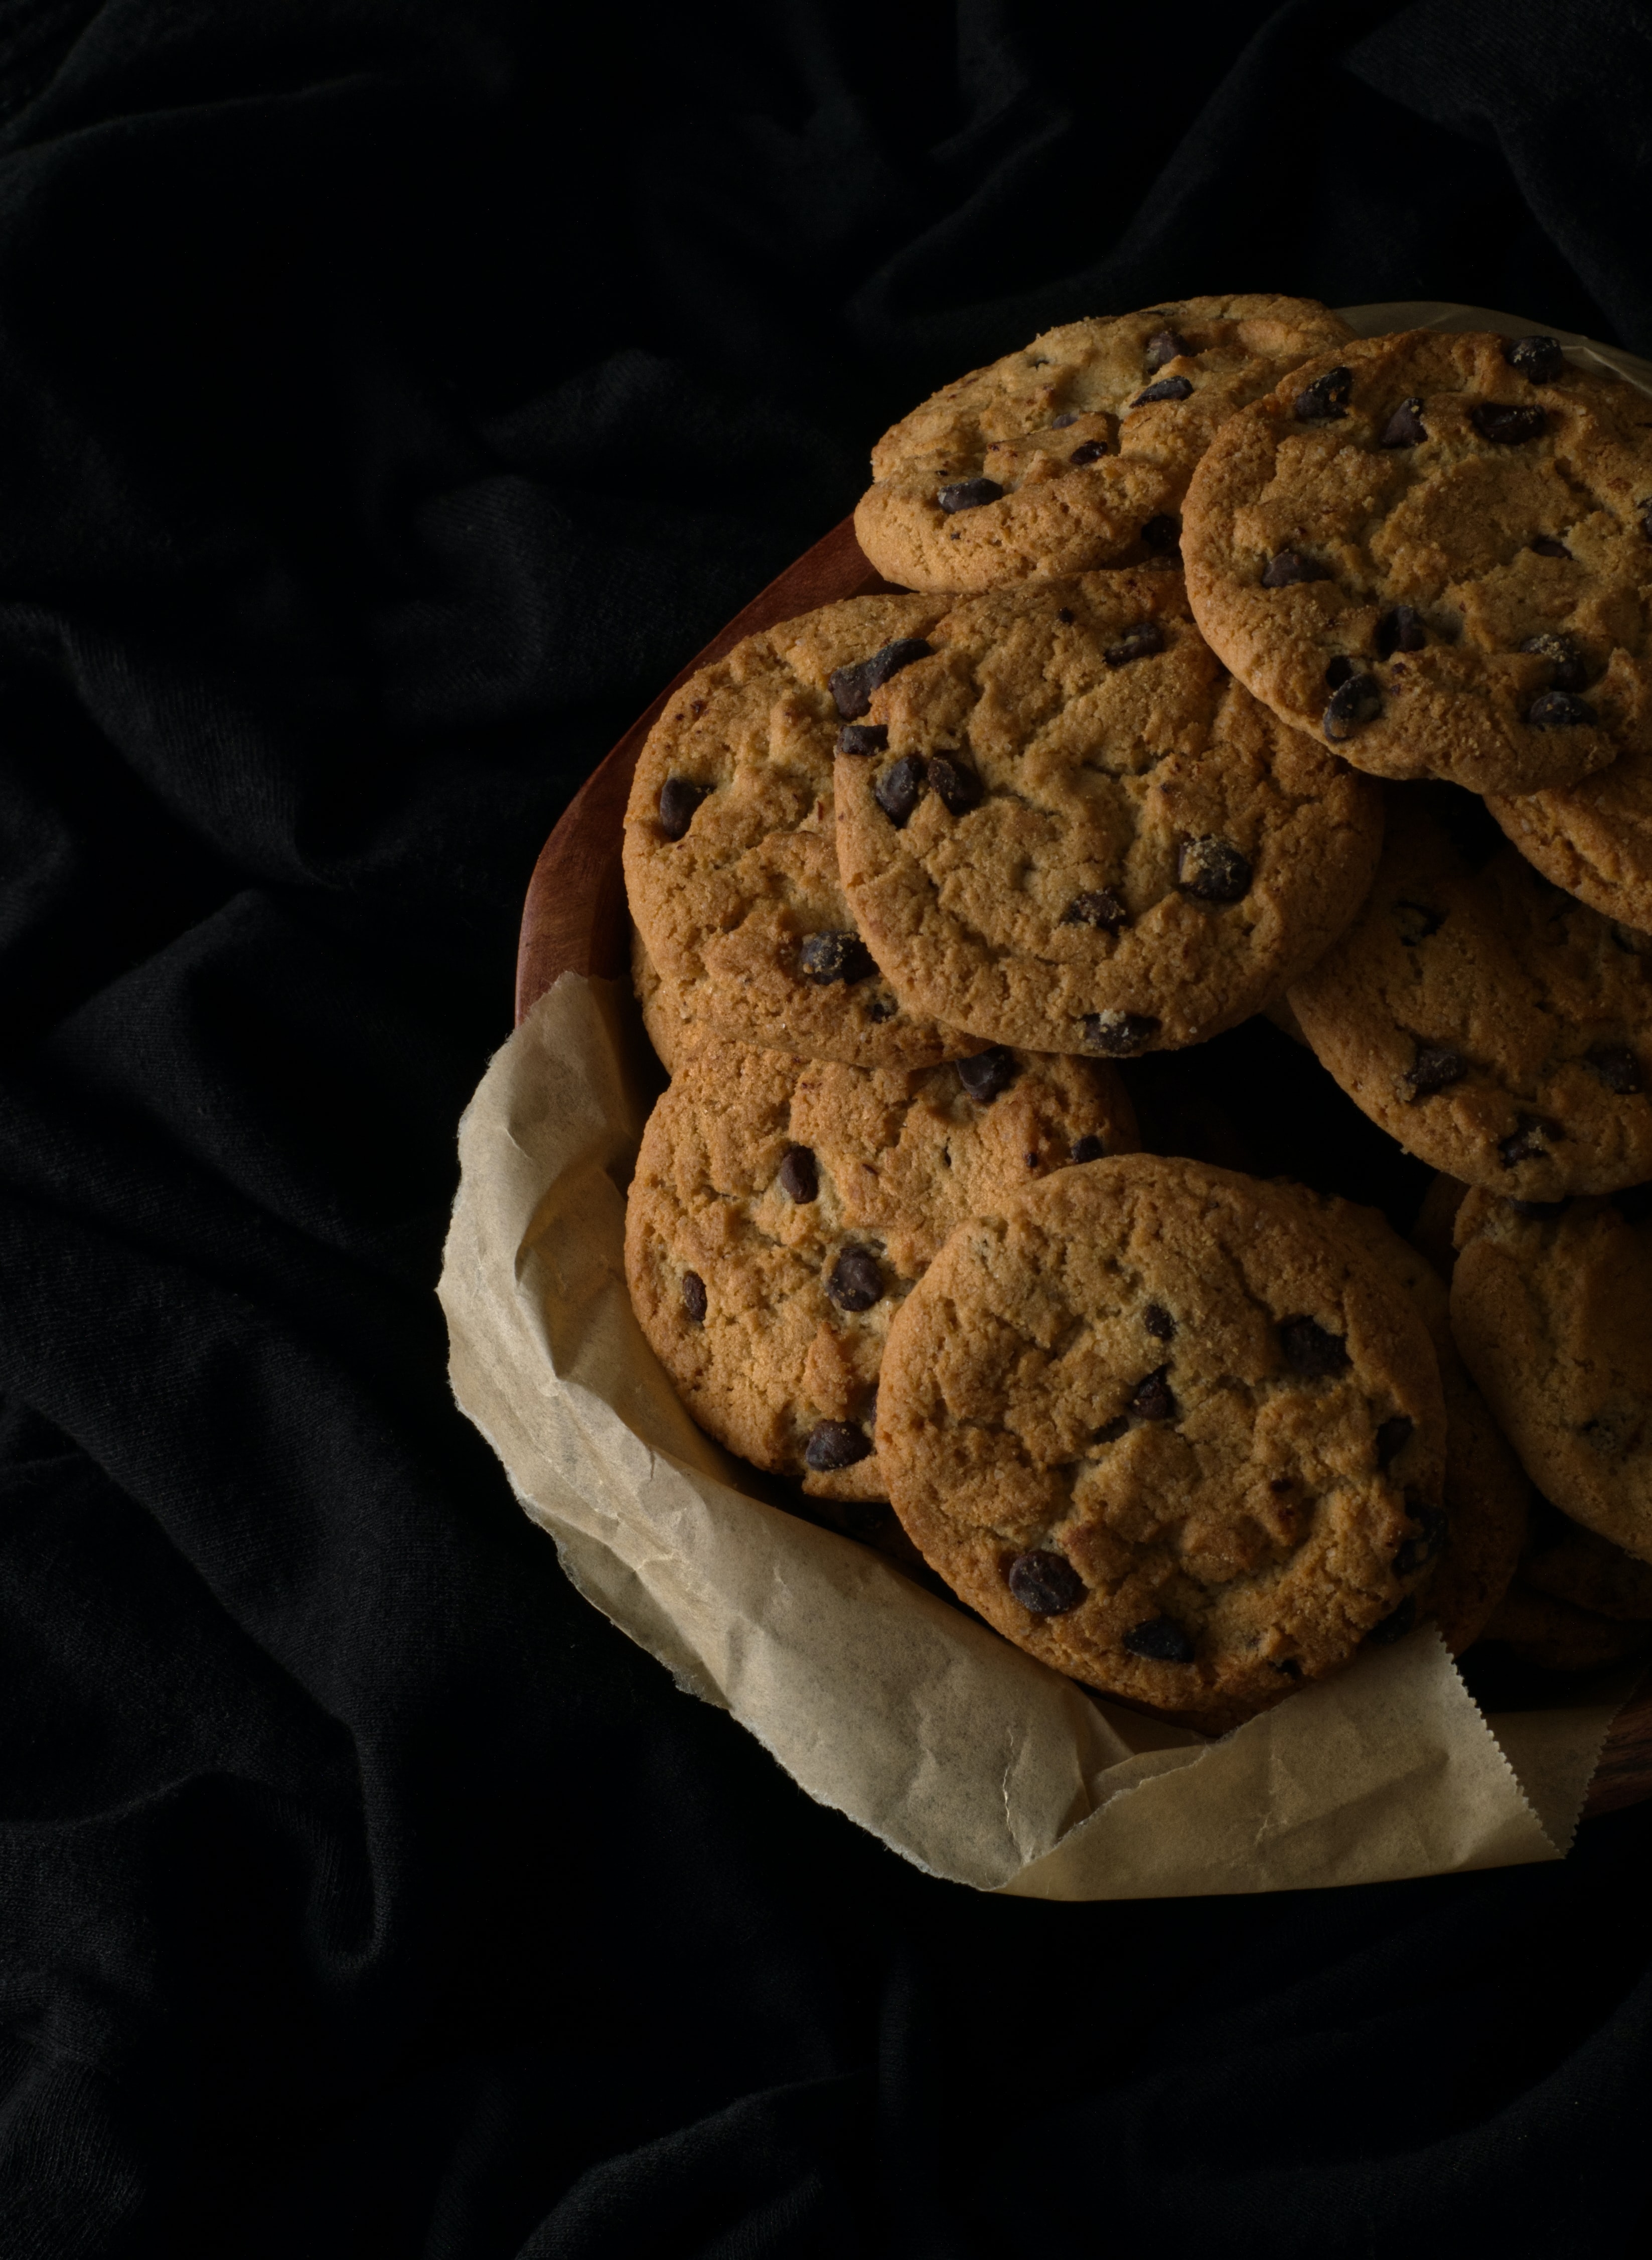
(391, 397)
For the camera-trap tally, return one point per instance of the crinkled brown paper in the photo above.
(962, 1754)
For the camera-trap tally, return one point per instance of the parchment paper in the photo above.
(962, 1754)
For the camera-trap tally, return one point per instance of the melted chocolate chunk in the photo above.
(1311, 1351)
(1089, 1149)
(1161, 1641)
(1153, 1398)
(1559, 709)
(900, 788)
(1396, 1624)
(852, 687)
(1104, 908)
(968, 494)
(1213, 870)
(1168, 388)
(1338, 670)
(1046, 1585)
(1325, 400)
(1413, 1552)
(1538, 360)
(1570, 669)
(1290, 567)
(694, 1298)
(1526, 1141)
(1545, 545)
(1118, 1035)
(679, 798)
(1505, 426)
(1618, 1068)
(956, 785)
(835, 1444)
(1159, 1323)
(1138, 643)
(863, 738)
(855, 1281)
(988, 1073)
(799, 1175)
(1405, 427)
(1163, 535)
(1357, 701)
(1392, 1438)
(1435, 1067)
(824, 958)
(1399, 629)
(1164, 346)
(1089, 451)
(1416, 921)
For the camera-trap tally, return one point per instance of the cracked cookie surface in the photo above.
(1077, 451)
(1077, 833)
(782, 1209)
(1168, 1433)
(1553, 1314)
(730, 858)
(1495, 1025)
(1438, 556)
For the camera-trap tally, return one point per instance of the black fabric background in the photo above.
(391, 397)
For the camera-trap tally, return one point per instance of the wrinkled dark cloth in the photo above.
(392, 397)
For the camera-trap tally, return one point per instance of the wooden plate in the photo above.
(573, 920)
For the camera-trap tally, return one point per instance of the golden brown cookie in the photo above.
(1576, 1565)
(667, 1009)
(1431, 550)
(782, 1209)
(730, 859)
(1169, 1434)
(1552, 1310)
(1496, 1026)
(1077, 451)
(1594, 838)
(1557, 1637)
(1075, 833)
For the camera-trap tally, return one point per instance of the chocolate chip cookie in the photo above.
(1594, 838)
(1073, 832)
(667, 1008)
(1168, 1433)
(782, 1209)
(1552, 1308)
(1434, 552)
(1077, 451)
(730, 859)
(1495, 1025)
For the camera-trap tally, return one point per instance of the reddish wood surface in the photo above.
(573, 920)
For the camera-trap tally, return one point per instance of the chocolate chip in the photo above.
(1089, 1149)
(1089, 451)
(1558, 709)
(1505, 426)
(900, 788)
(1395, 1624)
(1545, 545)
(1405, 427)
(1338, 670)
(1161, 1640)
(679, 798)
(1618, 1068)
(1399, 629)
(1161, 534)
(1325, 400)
(855, 1281)
(694, 1298)
(1524, 1143)
(1139, 643)
(1118, 1035)
(852, 687)
(1435, 1067)
(1163, 346)
(835, 1444)
(1569, 668)
(1290, 567)
(1392, 1438)
(1168, 388)
(824, 958)
(1158, 1322)
(1413, 1552)
(1060, 423)
(968, 494)
(1416, 922)
(988, 1073)
(956, 785)
(1356, 701)
(1538, 360)
(1153, 1398)
(1046, 1585)
(1066, 617)
(799, 1175)
(1104, 908)
(863, 738)
(1212, 869)
(1311, 1351)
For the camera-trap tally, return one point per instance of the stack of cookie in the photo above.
(918, 878)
